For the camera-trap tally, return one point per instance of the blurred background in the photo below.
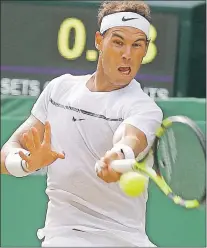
(41, 40)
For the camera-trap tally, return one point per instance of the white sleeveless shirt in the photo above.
(82, 125)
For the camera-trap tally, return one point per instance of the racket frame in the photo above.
(155, 174)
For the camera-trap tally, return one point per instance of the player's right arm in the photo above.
(17, 141)
(34, 137)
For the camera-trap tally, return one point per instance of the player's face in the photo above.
(122, 51)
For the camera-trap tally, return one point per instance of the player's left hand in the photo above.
(107, 174)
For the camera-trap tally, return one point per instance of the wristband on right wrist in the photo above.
(14, 163)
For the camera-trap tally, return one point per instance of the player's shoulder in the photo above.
(137, 95)
(139, 100)
(66, 82)
(68, 79)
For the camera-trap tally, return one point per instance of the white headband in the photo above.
(125, 19)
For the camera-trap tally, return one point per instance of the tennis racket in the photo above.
(179, 168)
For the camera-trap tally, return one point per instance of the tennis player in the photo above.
(80, 121)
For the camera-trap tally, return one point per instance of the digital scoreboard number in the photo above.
(75, 50)
(40, 41)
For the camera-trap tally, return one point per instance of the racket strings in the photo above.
(182, 161)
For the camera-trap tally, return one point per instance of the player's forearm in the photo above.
(134, 143)
(132, 137)
(5, 151)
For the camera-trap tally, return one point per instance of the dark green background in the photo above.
(29, 38)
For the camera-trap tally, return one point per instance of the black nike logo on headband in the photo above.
(124, 19)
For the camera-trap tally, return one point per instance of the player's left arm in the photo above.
(128, 137)
(132, 139)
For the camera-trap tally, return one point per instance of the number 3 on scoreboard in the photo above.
(152, 49)
(72, 53)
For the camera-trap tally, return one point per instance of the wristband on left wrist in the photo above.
(124, 150)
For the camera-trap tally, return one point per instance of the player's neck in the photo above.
(99, 82)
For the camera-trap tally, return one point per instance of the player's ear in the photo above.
(98, 40)
(146, 49)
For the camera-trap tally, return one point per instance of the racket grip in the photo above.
(123, 165)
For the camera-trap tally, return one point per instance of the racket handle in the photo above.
(123, 165)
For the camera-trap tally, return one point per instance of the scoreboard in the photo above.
(44, 39)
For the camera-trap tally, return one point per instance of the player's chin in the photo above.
(123, 80)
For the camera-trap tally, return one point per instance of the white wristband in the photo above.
(119, 149)
(125, 150)
(14, 163)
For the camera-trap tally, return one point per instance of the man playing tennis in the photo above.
(79, 120)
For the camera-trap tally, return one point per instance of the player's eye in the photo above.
(137, 45)
(118, 42)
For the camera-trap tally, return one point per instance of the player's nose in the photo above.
(127, 53)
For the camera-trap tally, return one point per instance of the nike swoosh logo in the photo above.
(124, 19)
(74, 119)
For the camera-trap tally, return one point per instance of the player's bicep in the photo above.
(32, 121)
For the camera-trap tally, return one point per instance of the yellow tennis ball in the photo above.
(132, 183)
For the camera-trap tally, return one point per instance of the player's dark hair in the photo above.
(110, 7)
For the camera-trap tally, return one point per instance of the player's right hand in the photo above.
(41, 154)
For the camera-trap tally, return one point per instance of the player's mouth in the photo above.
(125, 70)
